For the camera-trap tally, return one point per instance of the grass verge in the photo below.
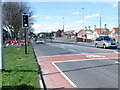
(21, 70)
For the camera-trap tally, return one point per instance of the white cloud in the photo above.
(115, 5)
(34, 16)
(76, 13)
(56, 23)
(91, 16)
(48, 17)
(36, 26)
(81, 21)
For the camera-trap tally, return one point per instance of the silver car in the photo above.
(40, 40)
(105, 43)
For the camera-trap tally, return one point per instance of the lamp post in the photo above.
(63, 24)
(83, 17)
(100, 24)
(105, 30)
(94, 31)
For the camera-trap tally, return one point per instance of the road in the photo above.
(65, 48)
(82, 65)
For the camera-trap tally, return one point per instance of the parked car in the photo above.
(40, 40)
(34, 38)
(105, 42)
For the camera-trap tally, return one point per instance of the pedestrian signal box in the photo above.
(25, 21)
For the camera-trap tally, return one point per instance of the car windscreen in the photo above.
(108, 39)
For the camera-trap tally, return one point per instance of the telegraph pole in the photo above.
(1, 40)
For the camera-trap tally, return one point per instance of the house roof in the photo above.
(85, 31)
(116, 29)
(101, 31)
(81, 32)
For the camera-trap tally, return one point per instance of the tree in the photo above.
(12, 16)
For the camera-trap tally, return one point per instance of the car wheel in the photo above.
(96, 45)
(104, 46)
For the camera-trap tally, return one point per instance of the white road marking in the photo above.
(117, 52)
(85, 47)
(72, 50)
(117, 62)
(64, 75)
(95, 56)
(84, 60)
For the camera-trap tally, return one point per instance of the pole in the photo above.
(100, 25)
(25, 42)
(1, 40)
(63, 24)
(83, 17)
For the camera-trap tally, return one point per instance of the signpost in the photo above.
(25, 22)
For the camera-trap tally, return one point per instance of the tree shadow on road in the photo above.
(85, 68)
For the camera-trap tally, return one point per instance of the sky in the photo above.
(49, 15)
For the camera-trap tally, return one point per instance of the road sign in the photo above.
(25, 21)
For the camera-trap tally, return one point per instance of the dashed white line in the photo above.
(64, 75)
(72, 50)
(117, 62)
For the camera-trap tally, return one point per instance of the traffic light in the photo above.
(25, 20)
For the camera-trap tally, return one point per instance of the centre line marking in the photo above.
(72, 50)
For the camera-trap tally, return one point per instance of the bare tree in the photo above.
(12, 16)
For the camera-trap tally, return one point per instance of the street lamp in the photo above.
(62, 34)
(83, 17)
(100, 24)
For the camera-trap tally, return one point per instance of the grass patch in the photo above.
(21, 70)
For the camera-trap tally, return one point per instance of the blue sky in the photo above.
(49, 15)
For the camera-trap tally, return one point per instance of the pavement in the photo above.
(58, 71)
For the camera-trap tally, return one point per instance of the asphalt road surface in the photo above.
(84, 74)
(59, 48)
(91, 74)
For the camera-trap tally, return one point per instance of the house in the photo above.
(69, 34)
(114, 32)
(100, 31)
(59, 33)
(86, 34)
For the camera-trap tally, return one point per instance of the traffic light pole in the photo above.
(25, 41)
(25, 25)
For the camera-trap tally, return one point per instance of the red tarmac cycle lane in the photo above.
(53, 78)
